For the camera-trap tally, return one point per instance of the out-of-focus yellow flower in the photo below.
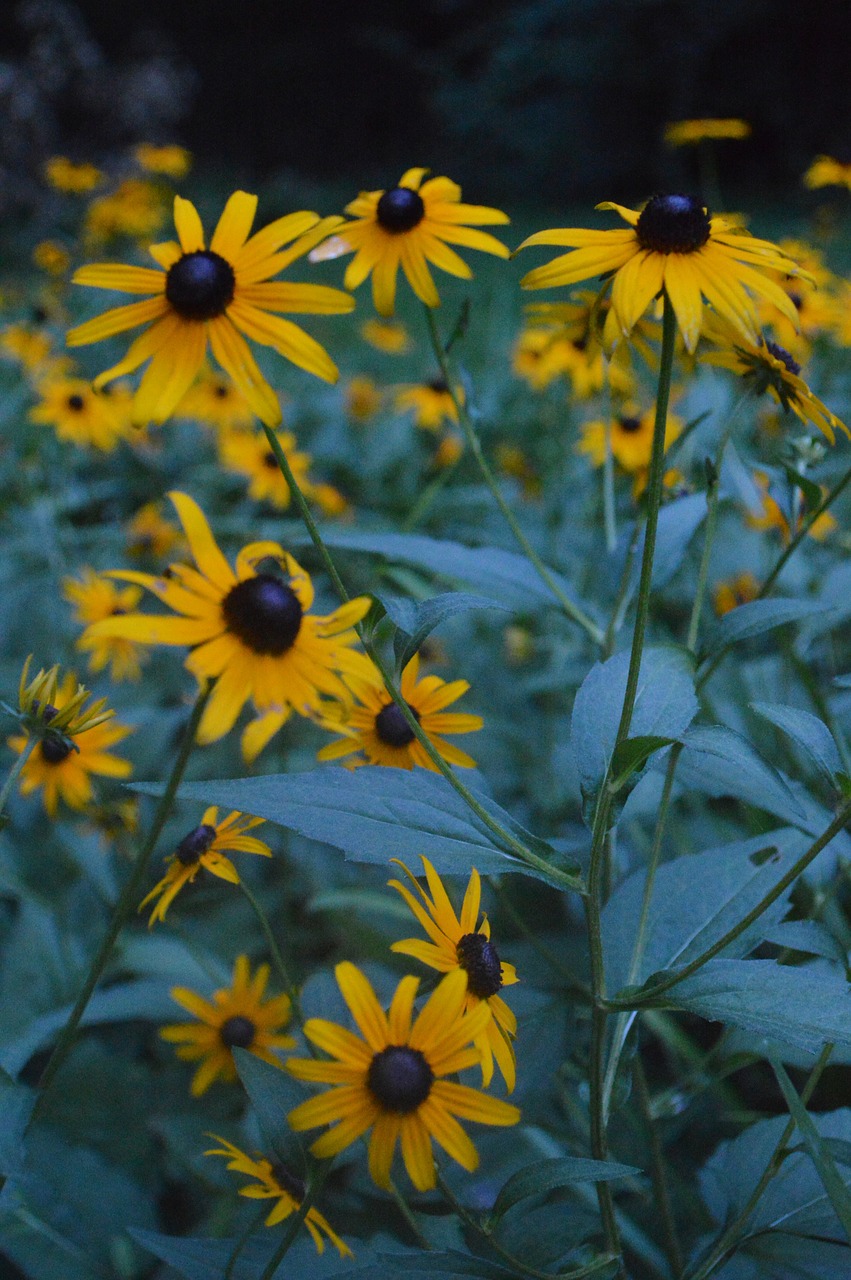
(430, 402)
(518, 644)
(216, 401)
(248, 454)
(814, 299)
(136, 209)
(82, 416)
(512, 461)
(448, 451)
(631, 437)
(683, 133)
(52, 257)
(729, 594)
(362, 398)
(769, 516)
(30, 347)
(95, 597)
(827, 172)
(172, 162)
(389, 336)
(63, 175)
(150, 534)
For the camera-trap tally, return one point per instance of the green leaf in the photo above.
(16, 1104)
(273, 1093)
(812, 492)
(633, 753)
(375, 813)
(205, 1259)
(806, 1006)
(759, 616)
(838, 1192)
(547, 1175)
(808, 937)
(416, 620)
(808, 731)
(719, 762)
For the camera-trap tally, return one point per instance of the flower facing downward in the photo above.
(391, 1079)
(237, 1017)
(410, 225)
(274, 1181)
(214, 295)
(460, 942)
(375, 726)
(250, 630)
(204, 847)
(671, 244)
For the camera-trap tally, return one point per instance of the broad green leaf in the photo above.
(416, 620)
(838, 1192)
(547, 1175)
(805, 1006)
(449, 1263)
(16, 1103)
(207, 1259)
(807, 936)
(374, 813)
(272, 1093)
(810, 733)
(678, 523)
(811, 491)
(720, 762)
(759, 616)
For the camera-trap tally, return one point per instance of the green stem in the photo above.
(649, 994)
(708, 541)
(505, 838)
(572, 610)
(426, 499)
(242, 1241)
(274, 950)
(658, 1172)
(314, 1185)
(727, 1243)
(622, 598)
(124, 905)
(408, 1214)
(12, 775)
(609, 466)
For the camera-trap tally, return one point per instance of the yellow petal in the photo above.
(234, 225)
(188, 225)
(117, 321)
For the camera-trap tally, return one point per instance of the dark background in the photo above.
(535, 100)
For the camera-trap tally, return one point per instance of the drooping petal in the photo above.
(417, 1153)
(170, 375)
(202, 544)
(382, 1146)
(286, 338)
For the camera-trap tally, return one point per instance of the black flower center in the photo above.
(55, 750)
(194, 845)
(288, 1181)
(439, 385)
(400, 209)
(478, 956)
(76, 403)
(673, 224)
(237, 1032)
(400, 1079)
(392, 727)
(629, 425)
(264, 613)
(220, 391)
(200, 285)
(270, 461)
(781, 354)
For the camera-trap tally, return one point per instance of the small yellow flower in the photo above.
(389, 336)
(237, 1017)
(63, 175)
(136, 209)
(172, 162)
(631, 438)
(448, 451)
(827, 172)
(30, 347)
(462, 942)
(52, 257)
(217, 402)
(150, 534)
(362, 398)
(83, 416)
(728, 595)
(204, 847)
(248, 454)
(95, 597)
(392, 1080)
(430, 402)
(769, 516)
(274, 1181)
(512, 461)
(685, 133)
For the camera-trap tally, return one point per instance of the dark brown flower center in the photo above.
(478, 956)
(264, 613)
(392, 727)
(194, 845)
(270, 461)
(54, 750)
(399, 1079)
(781, 354)
(439, 385)
(629, 425)
(220, 391)
(673, 224)
(237, 1032)
(400, 209)
(76, 403)
(288, 1181)
(200, 285)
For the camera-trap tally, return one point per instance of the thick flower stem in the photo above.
(508, 842)
(123, 907)
(572, 610)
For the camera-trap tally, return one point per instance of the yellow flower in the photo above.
(683, 133)
(63, 762)
(217, 402)
(63, 175)
(249, 631)
(543, 353)
(205, 846)
(375, 726)
(214, 295)
(274, 1181)
(631, 437)
(391, 1080)
(430, 402)
(150, 534)
(30, 347)
(512, 461)
(728, 595)
(671, 244)
(52, 257)
(173, 162)
(389, 336)
(236, 1018)
(95, 597)
(448, 451)
(827, 172)
(362, 398)
(813, 296)
(457, 943)
(410, 225)
(136, 209)
(770, 515)
(82, 416)
(248, 454)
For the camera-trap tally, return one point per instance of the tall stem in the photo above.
(124, 905)
(274, 950)
(12, 775)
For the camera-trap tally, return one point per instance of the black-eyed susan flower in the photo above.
(391, 1080)
(95, 597)
(170, 161)
(766, 367)
(31, 348)
(411, 225)
(684, 133)
(389, 336)
(214, 295)
(204, 848)
(631, 435)
(237, 1017)
(769, 516)
(250, 630)
(430, 402)
(77, 179)
(149, 533)
(273, 1180)
(82, 416)
(362, 398)
(732, 592)
(448, 451)
(463, 942)
(215, 400)
(672, 244)
(375, 727)
(73, 742)
(136, 209)
(825, 171)
(248, 454)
